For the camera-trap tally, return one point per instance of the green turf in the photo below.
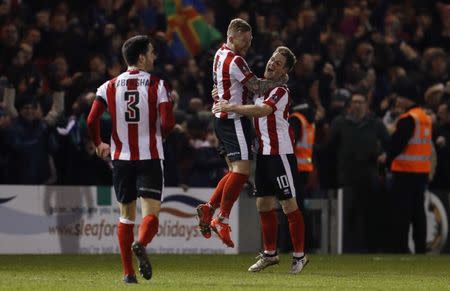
(222, 272)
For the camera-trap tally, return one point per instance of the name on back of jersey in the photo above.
(138, 82)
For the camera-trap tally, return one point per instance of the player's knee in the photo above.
(264, 204)
(289, 205)
(150, 206)
(128, 211)
(241, 167)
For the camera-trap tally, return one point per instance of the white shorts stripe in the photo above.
(162, 176)
(288, 170)
(241, 139)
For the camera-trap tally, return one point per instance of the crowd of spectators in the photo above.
(54, 54)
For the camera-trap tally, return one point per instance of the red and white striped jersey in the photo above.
(230, 72)
(133, 99)
(273, 133)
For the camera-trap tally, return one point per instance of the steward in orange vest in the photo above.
(416, 154)
(410, 162)
(303, 147)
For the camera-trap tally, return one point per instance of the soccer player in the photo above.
(233, 80)
(141, 112)
(276, 165)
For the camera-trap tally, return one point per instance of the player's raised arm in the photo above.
(260, 86)
(241, 71)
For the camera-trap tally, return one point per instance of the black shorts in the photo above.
(235, 138)
(276, 175)
(134, 179)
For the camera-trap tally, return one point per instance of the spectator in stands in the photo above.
(305, 38)
(207, 166)
(441, 138)
(5, 146)
(21, 72)
(359, 73)
(191, 84)
(334, 53)
(9, 41)
(75, 159)
(43, 50)
(359, 139)
(32, 146)
(444, 38)
(303, 80)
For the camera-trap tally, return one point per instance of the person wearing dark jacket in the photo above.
(32, 144)
(359, 140)
(410, 163)
(441, 138)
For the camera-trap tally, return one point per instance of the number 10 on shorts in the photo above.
(283, 182)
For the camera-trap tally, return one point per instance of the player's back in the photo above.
(230, 72)
(133, 98)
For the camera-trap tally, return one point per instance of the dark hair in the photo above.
(24, 100)
(133, 47)
(406, 88)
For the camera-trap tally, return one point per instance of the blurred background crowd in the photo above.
(54, 54)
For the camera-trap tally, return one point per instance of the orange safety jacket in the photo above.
(304, 146)
(416, 156)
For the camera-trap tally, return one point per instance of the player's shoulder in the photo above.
(158, 80)
(104, 85)
(239, 59)
(226, 52)
(280, 91)
(151, 79)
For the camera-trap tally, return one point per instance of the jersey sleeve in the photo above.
(240, 70)
(165, 107)
(277, 98)
(164, 92)
(101, 92)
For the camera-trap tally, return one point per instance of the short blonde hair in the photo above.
(288, 56)
(238, 25)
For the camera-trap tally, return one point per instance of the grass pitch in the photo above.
(227, 272)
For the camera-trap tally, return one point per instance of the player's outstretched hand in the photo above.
(221, 106)
(103, 150)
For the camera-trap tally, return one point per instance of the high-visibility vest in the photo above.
(304, 146)
(416, 156)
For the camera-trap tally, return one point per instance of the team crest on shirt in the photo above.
(245, 69)
(275, 98)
